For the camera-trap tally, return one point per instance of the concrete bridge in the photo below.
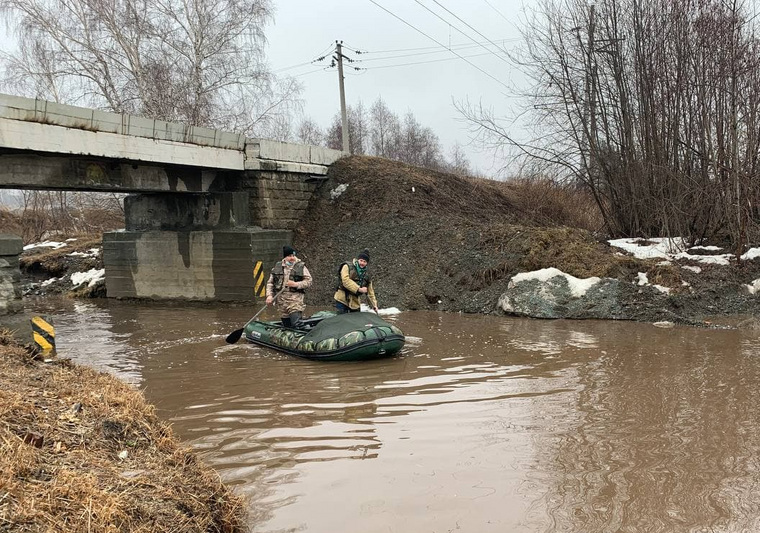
(207, 211)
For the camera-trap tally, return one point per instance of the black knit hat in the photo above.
(364, 255)
(287, 250)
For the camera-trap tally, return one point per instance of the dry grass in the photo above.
(379, 186)
(553, 204)
(53, 261)
(82, 451)
(46, 213)
(666, 275)
(10, 222)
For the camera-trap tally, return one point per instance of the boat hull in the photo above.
(351, 337)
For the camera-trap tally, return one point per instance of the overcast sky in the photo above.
(306, 29)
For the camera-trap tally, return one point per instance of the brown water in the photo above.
(482, 423)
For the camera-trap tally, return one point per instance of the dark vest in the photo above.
(296, 274)
(353, 273)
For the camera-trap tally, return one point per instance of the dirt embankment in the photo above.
(444, 242)
(82, 451)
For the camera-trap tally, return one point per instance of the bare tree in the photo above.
(458, 162)
(380, 132)
(309, 132)
(334, 133)
(199, 62)
(653, 105)
(384, 130)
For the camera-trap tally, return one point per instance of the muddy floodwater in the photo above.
(481, 424)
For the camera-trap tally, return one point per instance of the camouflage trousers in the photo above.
(290, 302)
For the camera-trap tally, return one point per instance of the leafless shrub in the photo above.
(47, 213)
(555, 204)
(653, 106)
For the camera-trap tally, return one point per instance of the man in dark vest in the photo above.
(355, 280)
(292, 274)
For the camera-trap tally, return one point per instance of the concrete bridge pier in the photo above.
(10, 275)
(188, 246)
(205, 246)
(13, 317)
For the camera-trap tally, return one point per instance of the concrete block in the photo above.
(271, 165)
(202, 265)
(51, 113)
(38, 137)
(20, 326)
(11, 245)
(319, 155)
(282, 151)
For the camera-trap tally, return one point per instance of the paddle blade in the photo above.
(233, 337)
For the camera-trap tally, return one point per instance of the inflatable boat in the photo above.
(327, 336)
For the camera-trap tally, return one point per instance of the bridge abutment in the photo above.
(278, 200)
(10, 275)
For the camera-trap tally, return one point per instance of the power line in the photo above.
(440, 44)
(452, 26)
(465, 23)
(439, 51)
(321, 57)
(292, 67)
(323, 69)
(422, 62)
(457, 46)
(326, 50)
(499, 12)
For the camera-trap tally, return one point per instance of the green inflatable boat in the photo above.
(326, 336)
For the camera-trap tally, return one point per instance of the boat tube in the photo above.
(327, 336)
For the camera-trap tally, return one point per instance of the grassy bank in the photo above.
(83, 451)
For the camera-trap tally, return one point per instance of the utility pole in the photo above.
(339, 58)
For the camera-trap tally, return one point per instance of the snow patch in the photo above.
(642, 279)
(692, 268)
(723, 259)
(337, 191)
(707, 248)
(650, 248)
(752, 253)
(46, 244)
(578, 287)
(92, 252)
(48, 282)
(754, 286)
(91, 277)
(671, 249)
(386, 311)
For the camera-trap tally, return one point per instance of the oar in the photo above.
(233, 337)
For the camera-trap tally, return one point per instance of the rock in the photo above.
(667, 324)
(553, 294)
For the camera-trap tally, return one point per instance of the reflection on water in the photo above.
(480, 424)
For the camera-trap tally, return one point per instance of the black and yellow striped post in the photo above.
(43, 334)
(260, 284)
